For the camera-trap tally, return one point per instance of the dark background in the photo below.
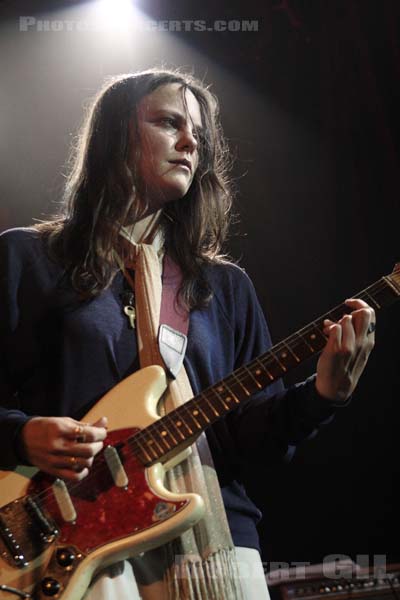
(310, 105)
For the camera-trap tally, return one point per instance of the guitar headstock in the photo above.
(395, 276)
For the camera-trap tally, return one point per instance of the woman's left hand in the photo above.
(345, 355)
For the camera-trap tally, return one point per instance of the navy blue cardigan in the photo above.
(60, 355)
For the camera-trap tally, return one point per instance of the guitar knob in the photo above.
(65, 557)
(50, 587)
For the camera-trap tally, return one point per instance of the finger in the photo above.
(362, 319)
(356, 303)
(327, 324)
(73, 462)
(85, 432)
(334, 333)
(73, 475)
(87, 450)
(66, 468)
(79, 449)
(102, 422)
(69, 474)
(348, 342)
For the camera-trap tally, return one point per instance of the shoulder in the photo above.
(232, 291)
(23, 252)
(21, 240)
(229, 278)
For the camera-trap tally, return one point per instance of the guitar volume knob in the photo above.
(50, 586)
(65, 557)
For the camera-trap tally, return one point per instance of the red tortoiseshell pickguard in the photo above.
(106, 513)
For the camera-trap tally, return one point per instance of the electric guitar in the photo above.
(55, 535)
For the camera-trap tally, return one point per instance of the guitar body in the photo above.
(108, 522)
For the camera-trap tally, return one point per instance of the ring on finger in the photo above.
(371, 328)
(74, 464)
(80, 437)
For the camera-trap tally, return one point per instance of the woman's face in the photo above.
(169, 120)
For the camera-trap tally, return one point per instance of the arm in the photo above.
(53, 444)
(273, 422)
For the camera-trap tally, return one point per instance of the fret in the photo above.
(174, 421)
(314, 339)
(262, 373)
(232, 395)
(282, 366)
(227, 399)
(293, 354)
(172, 438)
(254, 377)
(161, 430)
(214, 410)
(163, 436)
(273, 366)
(371, 300)
(319, 328)
(191, 432)
(144, 450)
(194, 412)
(246, 377)
(183, 422)
(157, 439)
(246, 391)
(207, 406)
(264, 368)
(386, 291)
(302, 347)
(152, 443)
(175, 441)
(221, 400)
(235, 388)
(205, 416)
(188, 417)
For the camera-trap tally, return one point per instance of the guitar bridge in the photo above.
(25, 531)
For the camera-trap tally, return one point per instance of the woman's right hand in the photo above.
(62, 446)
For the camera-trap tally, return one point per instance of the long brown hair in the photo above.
(100, 191)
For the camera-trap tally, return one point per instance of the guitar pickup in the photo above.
(47, 529)
(116, 467)
(11, 544)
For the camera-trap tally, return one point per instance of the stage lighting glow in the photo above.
(115, 10)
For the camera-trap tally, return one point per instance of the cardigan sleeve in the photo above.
(269, 426)
(14, 260)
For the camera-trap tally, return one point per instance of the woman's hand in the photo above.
(62, 446)
(345, 355)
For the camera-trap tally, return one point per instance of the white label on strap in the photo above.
(172, 346)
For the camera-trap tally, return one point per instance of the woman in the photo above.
(151, 166)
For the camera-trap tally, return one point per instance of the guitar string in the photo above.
(141, 435)
(19, 513)
(238, 374)
(243, 373)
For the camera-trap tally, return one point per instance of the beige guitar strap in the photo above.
(200, 564)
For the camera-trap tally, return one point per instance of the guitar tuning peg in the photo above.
(396, 268)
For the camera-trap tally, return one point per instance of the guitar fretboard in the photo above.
(186, 422)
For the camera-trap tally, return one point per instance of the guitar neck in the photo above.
(186, 422)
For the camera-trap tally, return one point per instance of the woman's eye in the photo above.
(168, 121)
